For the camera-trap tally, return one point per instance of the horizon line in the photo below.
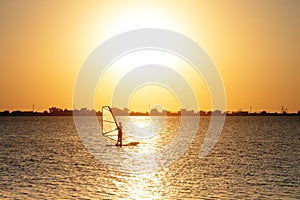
(116, 109)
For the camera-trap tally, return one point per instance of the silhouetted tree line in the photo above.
(54, 111)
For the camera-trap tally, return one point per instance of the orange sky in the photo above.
(255, 45)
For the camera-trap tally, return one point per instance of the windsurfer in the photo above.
(119, 142)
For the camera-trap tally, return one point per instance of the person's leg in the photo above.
(118, 142)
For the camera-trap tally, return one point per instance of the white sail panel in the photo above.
(109, 124)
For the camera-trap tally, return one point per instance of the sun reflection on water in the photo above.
(146, 128)
(140, 186)
(141, 123)
(151, 132)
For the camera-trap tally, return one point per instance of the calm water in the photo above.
(255, 158)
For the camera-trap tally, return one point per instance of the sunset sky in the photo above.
(254, 44)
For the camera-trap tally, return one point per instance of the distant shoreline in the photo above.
(53, 111)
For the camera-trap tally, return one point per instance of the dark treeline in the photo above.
(54, 111)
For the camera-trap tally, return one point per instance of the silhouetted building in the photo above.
(263, 113)
(155, 112)
(217, 113)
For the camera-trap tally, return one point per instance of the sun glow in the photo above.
(149, 95)
(47, 42)
(145, 16)
(144, 97)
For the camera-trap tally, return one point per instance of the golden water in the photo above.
(255, 157)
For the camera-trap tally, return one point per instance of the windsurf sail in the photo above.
(109, 124)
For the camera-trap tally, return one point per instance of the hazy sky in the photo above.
(255, 45)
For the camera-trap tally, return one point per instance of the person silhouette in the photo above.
(119, 128)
